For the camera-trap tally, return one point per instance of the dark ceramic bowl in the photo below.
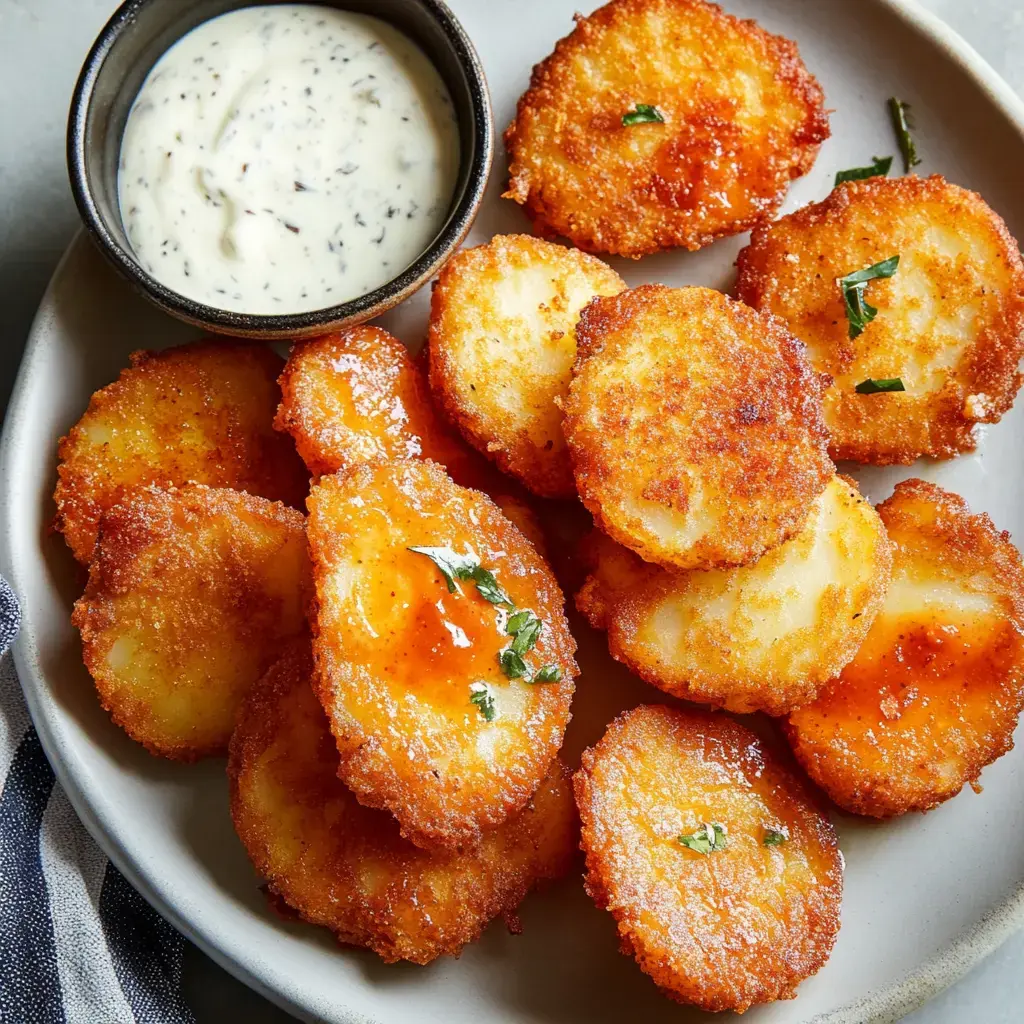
(134, 40)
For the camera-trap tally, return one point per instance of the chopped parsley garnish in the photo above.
(548, 674)
(525, 627)
(454, 566)
(878, 169)
(643, 113)
(901, 121)
(480, 694)
(773, 838)
(873, 386)
(487, 587)
(859, 312)
(709, 838)
(512, 664)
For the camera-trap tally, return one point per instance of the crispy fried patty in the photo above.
(950, 322)
(191, 594)
(721, 928)
(200, 413)
(358, 396)
(738, 114)
(502, 344)
(695, 426)
(429, 724)
(763, 637)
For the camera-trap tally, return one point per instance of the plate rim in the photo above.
(913, 990)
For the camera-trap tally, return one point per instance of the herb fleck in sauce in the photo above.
(287, 158)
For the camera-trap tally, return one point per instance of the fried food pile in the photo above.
(346, 866)
(935, 692)
(392, 672)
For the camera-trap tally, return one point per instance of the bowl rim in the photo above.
(261, 325)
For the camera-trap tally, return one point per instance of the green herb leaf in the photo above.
(517, 621)
(900, 113)
(773, 838)
(879, 169)
(548, 674)
(708, 838)
(488, 588)
(859, 312)
(453, 566)
(512, 664)
(643, 113)
(525, 627)
(884, 269)
(875, 386)
(481, 695)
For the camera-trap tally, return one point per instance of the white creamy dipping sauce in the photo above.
(287, 158)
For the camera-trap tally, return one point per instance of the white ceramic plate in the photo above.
(925, 896)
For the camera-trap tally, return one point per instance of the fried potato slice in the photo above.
(950, 322)
(694, 425)
(345, 866)
(191, 595)
(935, 692)
(763, 637)
(502, 343)
(428, 724)
(738, 116)
(721, 927)
(357, 396)
(200, 413)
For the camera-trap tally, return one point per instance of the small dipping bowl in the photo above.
(141, 32)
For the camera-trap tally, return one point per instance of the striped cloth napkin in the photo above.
(78, 945)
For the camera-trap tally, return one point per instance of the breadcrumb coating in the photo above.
(407, 667)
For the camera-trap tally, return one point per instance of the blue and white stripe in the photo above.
(78, 945)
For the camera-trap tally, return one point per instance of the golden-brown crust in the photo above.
(522, 514)
(502, 344)
(694, 425)
(722, 930)
(191, 594)
(718, 165)
(935, 692)
(950, 322)
(764, 637)
(397, 654)
(356, 396)
(199, 413)
(345, 866)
